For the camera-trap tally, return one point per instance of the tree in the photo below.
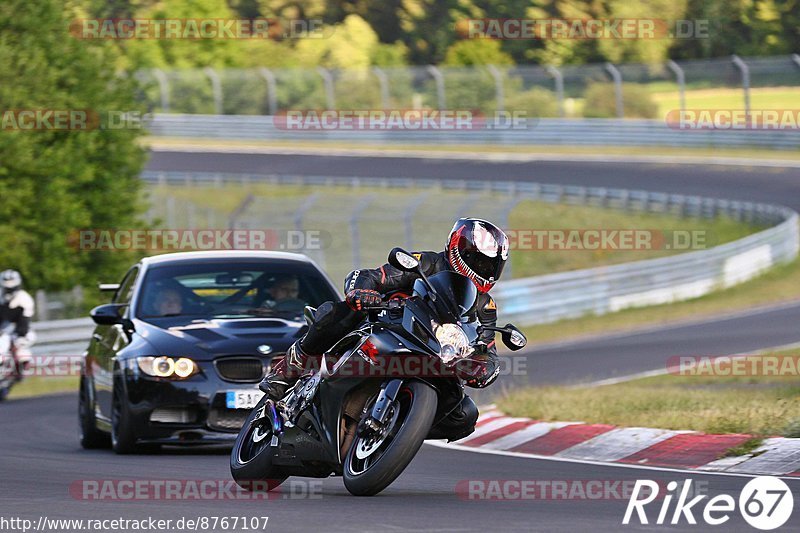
(54, 182)
(476, 52)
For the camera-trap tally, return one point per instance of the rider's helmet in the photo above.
(479, 250)
(10, 281)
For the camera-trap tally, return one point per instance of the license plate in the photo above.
(242, 399)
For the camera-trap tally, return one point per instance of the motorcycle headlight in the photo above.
(453, 341)
(167, 367)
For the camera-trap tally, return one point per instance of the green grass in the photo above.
(383, 213)
(759, 406)
(666, 95)
(40, 386)
(541, 216)
(745, 448)
(760, 98)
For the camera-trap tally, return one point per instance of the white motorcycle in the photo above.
(9, 374)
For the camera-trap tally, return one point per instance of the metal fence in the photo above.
(594, 90)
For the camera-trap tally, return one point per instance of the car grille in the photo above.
(227, 419)
(241, 369)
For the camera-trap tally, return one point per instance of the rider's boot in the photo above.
(459, 423)
(286, 372)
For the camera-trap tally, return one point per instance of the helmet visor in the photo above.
(489, 268)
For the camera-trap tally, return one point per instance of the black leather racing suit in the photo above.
(388, 279)
(340, 320)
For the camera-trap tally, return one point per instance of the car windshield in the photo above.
(232, 290)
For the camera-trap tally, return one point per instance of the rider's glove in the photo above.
(359, 299)
(478, 370)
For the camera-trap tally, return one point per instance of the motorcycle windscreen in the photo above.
(456, 295)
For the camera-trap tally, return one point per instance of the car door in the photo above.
(108, 341)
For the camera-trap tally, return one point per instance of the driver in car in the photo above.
(476, 249)
(168, 302)
(284, 288)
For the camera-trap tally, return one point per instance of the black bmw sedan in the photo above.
(177, 356)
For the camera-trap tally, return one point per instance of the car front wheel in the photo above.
(91, 437)
(123, 439)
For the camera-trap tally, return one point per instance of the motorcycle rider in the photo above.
(17, 308)
(475, 248)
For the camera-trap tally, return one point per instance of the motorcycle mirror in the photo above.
(308, 314)
(403, 260)
(406, 262)
(513, 338)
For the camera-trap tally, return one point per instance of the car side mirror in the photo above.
(402, 260)
(108, 314)
(513, 338)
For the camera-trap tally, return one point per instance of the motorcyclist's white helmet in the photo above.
(10, 280)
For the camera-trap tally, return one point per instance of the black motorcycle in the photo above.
(367, 425)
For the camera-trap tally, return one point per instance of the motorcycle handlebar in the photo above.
(387, 306)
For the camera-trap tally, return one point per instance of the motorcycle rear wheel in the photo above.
(372, 465)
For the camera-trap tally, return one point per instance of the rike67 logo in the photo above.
(765, 503)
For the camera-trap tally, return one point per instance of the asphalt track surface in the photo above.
(760, 184)
(41, 458)
(41, 462)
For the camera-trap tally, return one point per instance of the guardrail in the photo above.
(62, 337)
(601, 290)
(552, 297)
(546, 131)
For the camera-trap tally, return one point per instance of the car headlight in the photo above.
(167, 367)
(453, 341)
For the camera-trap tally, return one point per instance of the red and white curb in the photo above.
(631, 446)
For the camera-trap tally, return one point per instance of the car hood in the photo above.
(206, 339)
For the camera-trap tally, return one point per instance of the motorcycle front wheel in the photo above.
(373, 462)
(251, 456)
